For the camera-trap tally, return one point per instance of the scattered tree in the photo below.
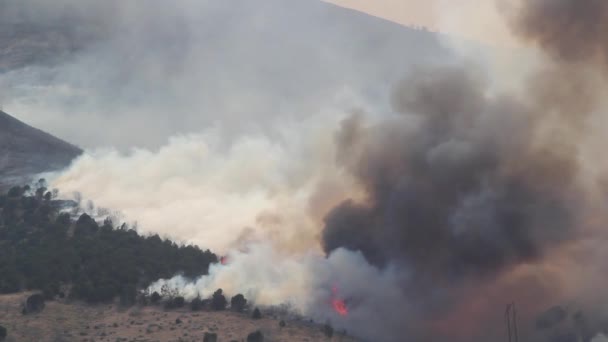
(256, 314)
(255, 336)
(328, 330)
(175, 303)
(196, 304)
(238, 303)
(218, 301)
(33, 304)
(3, 333)
(128, 295)
(155, 298)
(179, 302)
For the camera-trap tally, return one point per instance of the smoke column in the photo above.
(429, 219)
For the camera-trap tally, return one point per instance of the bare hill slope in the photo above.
(26, 151)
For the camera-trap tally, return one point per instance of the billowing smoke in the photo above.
(467, 185)
(568, 30)
(427, 220)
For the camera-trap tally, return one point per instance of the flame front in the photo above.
(338, 304)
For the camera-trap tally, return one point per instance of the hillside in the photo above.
(179, 68)
(72, 321)
(26, 151)
(73, 264)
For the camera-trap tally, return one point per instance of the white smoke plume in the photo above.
(307, 284)
(258, 201)
(198, 191)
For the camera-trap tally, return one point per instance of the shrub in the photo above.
(328, 330)
(255, 336)
(210, 337)
(196, 304)
(33, 304)
(282, 324)
(128, 295)
(174, 303)
(179, 302)
(155, 298)
(16, 191)
(256, 314)
(3, 333)
(50, 291)
(218, 301)
(238, 303)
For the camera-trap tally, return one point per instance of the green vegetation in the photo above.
(43, 248)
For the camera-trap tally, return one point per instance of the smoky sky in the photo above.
(104, 69)
(569, 30)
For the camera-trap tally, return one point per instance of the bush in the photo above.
(328, 330)
(175, 303)
(50, 291)
(238, 303)
(3, 333)
(179, 302)
(155, 298)
(16, 191)
(218, 301)
(196, 304)
(33, 304)
(210, 337)
(256, 314)
(128, 296)
(282, 324)
(255, 336)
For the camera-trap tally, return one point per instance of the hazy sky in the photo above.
(470, 18)
(416, 12)
(208, 63)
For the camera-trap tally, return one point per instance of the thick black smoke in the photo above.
(569, 30)
(462, 183)
(467, 188)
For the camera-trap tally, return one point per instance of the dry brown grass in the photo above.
(63, 321)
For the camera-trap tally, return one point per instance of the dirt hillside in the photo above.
(63, 321)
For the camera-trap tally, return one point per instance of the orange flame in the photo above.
(224, 260)
(338, 304)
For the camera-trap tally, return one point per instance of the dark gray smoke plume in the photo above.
(466, 187)
(569, 30)
(469, 181)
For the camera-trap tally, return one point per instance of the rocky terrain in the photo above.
(65, 321)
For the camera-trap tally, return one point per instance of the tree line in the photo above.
(43, 247)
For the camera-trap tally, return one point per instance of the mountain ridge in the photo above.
(26, 151)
